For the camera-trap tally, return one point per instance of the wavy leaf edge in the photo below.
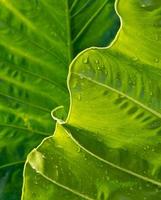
(60, 122)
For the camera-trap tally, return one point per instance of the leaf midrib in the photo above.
(144, 178)
(65, 187)
(112, 164)
(152, 111)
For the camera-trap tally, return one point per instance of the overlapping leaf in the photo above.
(38, 39)
(114, 119)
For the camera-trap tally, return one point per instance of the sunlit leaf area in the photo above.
(80, 100)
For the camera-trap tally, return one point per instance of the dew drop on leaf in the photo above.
(78, 150)
(146, 3)
(156, 60)
(81, 76)
(79, 97)
(135, 59)
(143, 5)
(97, 61)
(106, 73)
(140, 188)
(144, 148)
(100, 139)
(147, 185)
(43, 156)
(85, 60)
(103, 67)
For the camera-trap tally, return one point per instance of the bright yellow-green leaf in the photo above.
(114, 152)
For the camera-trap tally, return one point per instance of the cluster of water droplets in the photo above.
(92, 70)
(149, 4)
(146, 3)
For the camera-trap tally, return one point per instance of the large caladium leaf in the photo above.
(109, 147)
(38, 39)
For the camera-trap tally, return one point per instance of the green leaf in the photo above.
(60, 168)
(109, 147)
(38, 39)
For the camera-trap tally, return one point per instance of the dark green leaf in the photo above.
(38, 39)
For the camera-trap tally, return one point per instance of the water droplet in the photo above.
(156, 60)
(100, 139)
(43, 156)
(149, 4)
(143, 5)
(106, 72)
(79, 97)
(102, 67)
(74, 85)
(59, 146)
(97, 61)
(36, 182)
(81, 76)
(135, 59)
(78, 149)
(85, 60)
(147, 185)
(84, 157)
(140, 188)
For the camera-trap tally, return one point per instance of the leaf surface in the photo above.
(38, 39)
(60, 168)
(114, 118)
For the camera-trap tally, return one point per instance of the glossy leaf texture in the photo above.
(38, 39)
(109, 147)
